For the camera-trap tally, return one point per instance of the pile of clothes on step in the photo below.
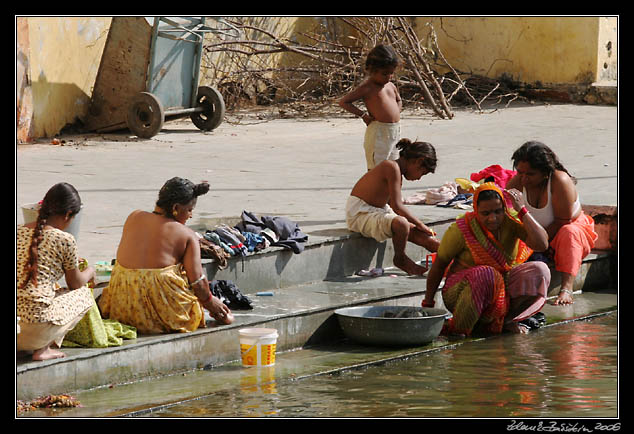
(459, 194)
(252, 234)
(227, 292)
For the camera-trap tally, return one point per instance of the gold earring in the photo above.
(174, 213)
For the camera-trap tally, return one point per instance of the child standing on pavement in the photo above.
(383, 104)
(375, 208)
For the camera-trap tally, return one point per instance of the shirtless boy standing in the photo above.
(383, 104)
(375, 208)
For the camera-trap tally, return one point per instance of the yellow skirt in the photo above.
(152, 300)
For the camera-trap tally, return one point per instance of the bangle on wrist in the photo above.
(197, 280)
(521, 213)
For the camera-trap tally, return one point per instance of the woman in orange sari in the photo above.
(550, 194)
(489, 287)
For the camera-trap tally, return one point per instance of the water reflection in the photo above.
(569, 370)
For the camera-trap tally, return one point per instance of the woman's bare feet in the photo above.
(47, 353)
(564, 298)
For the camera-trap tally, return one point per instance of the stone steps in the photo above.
(307, 288)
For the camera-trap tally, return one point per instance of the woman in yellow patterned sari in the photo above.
(157, 284)
(489, 287)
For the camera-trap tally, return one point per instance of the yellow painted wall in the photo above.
(63, 60)
(550, 50)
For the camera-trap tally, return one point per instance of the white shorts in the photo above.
(379, 141)
(34, 336)
(368, 220)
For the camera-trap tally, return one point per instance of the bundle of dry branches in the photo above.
(329, 61)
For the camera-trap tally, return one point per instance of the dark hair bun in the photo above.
(179, 190)
(417, 149)
(403, 143)
(200, 189)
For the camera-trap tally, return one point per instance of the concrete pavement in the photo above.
(300, 168)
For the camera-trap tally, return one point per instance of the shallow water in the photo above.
(568, 370)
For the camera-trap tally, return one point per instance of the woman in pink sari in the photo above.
(489, 287)
(550, 195)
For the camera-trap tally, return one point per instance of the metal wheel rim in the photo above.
(213, 109)
(145, 115)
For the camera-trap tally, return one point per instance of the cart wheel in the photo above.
(145, 115)
(213, 109)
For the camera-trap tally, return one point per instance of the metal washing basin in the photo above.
(392, 325)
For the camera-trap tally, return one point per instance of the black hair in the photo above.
(179, 191)
(488, 195)
(60, 199)
(412, 150)
(540, 157)
(381, 56)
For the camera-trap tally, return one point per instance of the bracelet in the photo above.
(428, 303)
(197, 280)
(521, 213)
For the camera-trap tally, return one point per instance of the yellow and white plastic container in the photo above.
(257, 346)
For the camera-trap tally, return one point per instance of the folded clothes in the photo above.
(281, 231)
(433, 196)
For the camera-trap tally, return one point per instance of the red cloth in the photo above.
(501, 175)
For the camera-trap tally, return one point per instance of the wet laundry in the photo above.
(227, 292)
(255, 242)
(252, 234)
(281, 231)
(232, 238)
(213, 250)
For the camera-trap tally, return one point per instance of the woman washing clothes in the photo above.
(489, 287)
(157, 284)
(45, 253)
(550, 195)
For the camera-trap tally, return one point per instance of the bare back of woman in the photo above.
(164, 247)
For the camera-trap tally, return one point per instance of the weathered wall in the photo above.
(61, 64)
(549, 50)
(607, 49)
(24, 98)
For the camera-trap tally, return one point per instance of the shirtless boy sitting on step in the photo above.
(375, 208)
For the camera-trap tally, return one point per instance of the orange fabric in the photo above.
(572, 243)
(484, 247)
